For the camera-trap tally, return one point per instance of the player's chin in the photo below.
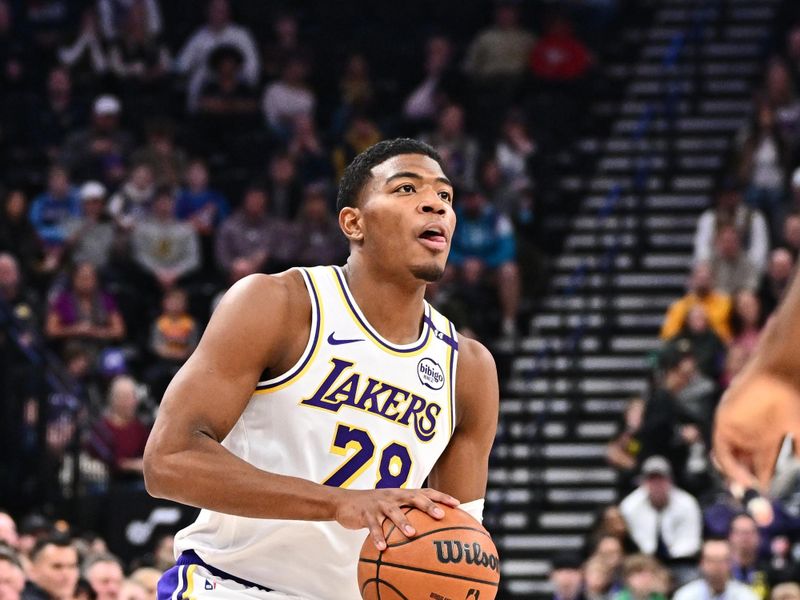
(429, 272)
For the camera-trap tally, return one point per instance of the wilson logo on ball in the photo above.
(454, 552)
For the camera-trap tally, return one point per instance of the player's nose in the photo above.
(432, 203)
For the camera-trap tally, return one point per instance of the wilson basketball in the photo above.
(452, 558)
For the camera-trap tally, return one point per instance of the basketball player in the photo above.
(319, 400)
(762, 404)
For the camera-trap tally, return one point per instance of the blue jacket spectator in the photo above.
(54, 208)
(482, 233)
(197, 203)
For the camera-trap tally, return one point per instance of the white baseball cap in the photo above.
(107, 105)
(93, 190)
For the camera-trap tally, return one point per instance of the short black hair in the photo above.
(55, 539)
(359, 171)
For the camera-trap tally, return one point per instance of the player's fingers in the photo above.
(376, 532)
(427, 505)
(764, 460)
(399, 518)
(438, 496)
(731, 465)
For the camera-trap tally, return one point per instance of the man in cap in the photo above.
(662, 519)
(100, 151)
(92, 235)
(566, 577)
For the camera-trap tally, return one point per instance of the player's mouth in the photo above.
(434, 237)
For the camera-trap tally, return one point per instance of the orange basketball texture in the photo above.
(452, 558)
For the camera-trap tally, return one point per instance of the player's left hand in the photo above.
(357, 509)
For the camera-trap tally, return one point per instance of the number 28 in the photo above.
(393, 469)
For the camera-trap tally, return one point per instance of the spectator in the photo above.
(361, 133)
(115, 14)
(225, 98)
(699, 340)
(609, 552)
(501, 51)
(559, 56)
(8, 531)
(203, 207)
(148, 578)
(566, 577)
(86, 56)
(319, 240)
(716, 579)
(17, 234)
(12, 576)
(306, 150)
(729, 210)
(288, 98)
(56, 115)
(164, 247)
(745, 565)
(100, 151)
(104, 574)
(357, 93)
(119, 437)
(598, 580)
(23, 303)
(514, 152)
(139, 59)
(284, 45)
(167, 161)
(285, 191)
(133, 590)
(54, 208)
(611, 524)
(764, 163)
(439, 87)
(781, 95)
(92, 236)
(249, 235)
(791, 235)
(776, 280)
(717, 305)
(746, 321)
(173, 337)
(485, 245)
(133, 202)
(458, 149)
(641, 576)
(84, 312)
(732, 269)
(622, 452)
(53, 572)
(664, 520)
(219, 30)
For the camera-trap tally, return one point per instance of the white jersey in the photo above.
(356, 411)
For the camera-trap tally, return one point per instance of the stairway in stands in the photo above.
(625, 258)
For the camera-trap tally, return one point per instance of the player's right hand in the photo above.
(357, 509)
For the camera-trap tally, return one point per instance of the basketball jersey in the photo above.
(356, 411)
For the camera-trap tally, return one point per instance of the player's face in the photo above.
(407, 217)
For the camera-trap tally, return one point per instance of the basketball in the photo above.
(452, 558)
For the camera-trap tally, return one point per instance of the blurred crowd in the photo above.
(155, 153)
(678, 531)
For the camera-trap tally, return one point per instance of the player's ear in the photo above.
(351, 224)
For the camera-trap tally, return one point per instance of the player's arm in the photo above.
(762, 404)
(257, 325)
(462, 470)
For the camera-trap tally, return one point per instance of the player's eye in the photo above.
(406, 188)
(445, 196)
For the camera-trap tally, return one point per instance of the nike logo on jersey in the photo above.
(334, 342)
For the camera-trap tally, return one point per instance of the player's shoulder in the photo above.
(281, 296)
(472, 355)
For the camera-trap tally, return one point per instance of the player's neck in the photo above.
(392, 307)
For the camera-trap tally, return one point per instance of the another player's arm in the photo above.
(462, 470)
(258, 324)
(762, 404)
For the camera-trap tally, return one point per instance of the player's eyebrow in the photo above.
(417, 176)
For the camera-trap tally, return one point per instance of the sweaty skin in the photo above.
(762, 404)
(264, 321)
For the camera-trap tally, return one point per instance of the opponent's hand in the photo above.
(369, 508)
(753, 417)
